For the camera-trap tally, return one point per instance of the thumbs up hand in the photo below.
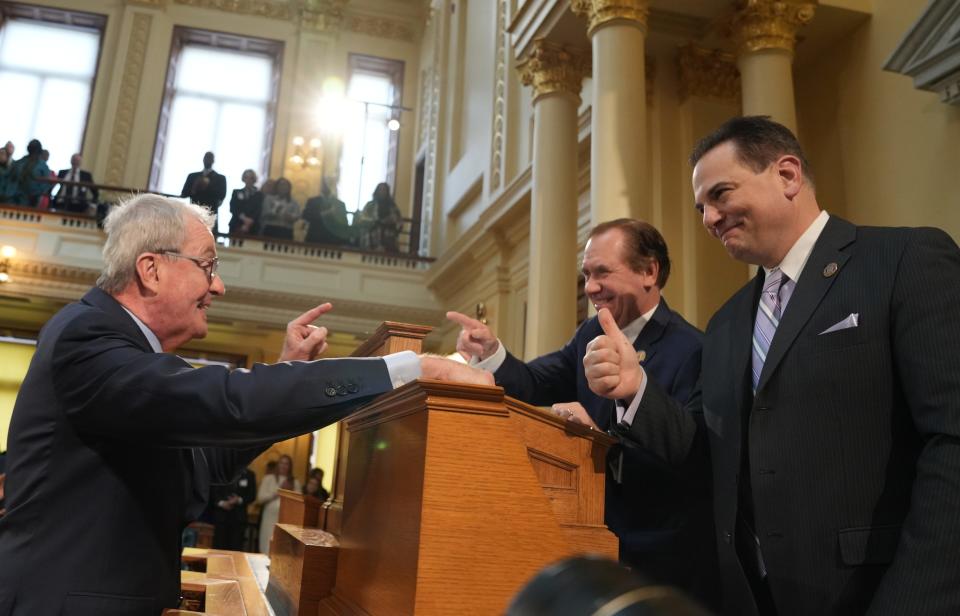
(610, 363)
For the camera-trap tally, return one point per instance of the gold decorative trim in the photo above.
(768, 24)
(499, 97)
(260, 8)
(707, 73)
(551, 68)
(324, 16)
(380, 27)
(127, 104)
(603, 12)
(157, 4)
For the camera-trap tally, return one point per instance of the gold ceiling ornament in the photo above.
(158, 4)
(552, 68)
(324, 16)
(707, 73)
(260, 8)
(603, 12)
(380, 27)
(768, 24)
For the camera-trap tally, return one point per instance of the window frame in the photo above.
(393, 69)
(184, 36)
(67, 18)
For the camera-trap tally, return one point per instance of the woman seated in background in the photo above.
(280, 212)
(28, 173)
(269, 500)
(314, 485)
(378, 225)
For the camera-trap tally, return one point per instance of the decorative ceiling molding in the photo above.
(930, 51)
(323, 16)
(707, 73)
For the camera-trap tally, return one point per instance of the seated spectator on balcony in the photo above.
(246, 205)
(327, 217)
(280, 212)
(28, 173)
(7, 185)
(72, 198)
(45, 197)
(207, 187)
(378, 225)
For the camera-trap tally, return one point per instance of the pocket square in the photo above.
(851, 321)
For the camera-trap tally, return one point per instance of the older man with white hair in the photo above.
(115, 440)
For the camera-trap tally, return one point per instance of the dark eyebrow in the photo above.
(714, 191)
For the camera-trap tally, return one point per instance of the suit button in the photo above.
(767, 471)
(330, 391)
(764, 408)
(727, 536)
(775, 534)
(352, 388)
(341, 390)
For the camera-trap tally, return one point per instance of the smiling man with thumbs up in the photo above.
(660, 514)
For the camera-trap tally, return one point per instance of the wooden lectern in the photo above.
(447, 499)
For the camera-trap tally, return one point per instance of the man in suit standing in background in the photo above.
(830, 395)
(660, 514)
(229, 504)
(207, 188)
(72, 198)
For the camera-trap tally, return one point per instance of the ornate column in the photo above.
(618, 147)
(765, 33)
(556, 74)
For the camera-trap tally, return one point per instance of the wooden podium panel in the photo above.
(300, 509)
(455, 497)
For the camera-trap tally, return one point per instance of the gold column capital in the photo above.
(769, 24)
(602, 12)
(551, 68)
(709, 73)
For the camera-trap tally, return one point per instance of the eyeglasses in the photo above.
(207, 264)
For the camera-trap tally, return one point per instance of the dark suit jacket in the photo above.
(251, 206)
(661, 513)
(212, 195)
(852, 443)
(112, 450)
(85, 176)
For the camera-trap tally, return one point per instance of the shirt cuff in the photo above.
(402, 367)
(626, 416)
(492, 363)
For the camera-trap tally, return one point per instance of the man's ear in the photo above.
(790, 170)
(651, 272)
(148, 275)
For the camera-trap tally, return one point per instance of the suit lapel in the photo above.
(646, 342)
(741, 338)
(810, 290)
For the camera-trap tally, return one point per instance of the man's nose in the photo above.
(591, 286)
(217, 287)
(710, 217)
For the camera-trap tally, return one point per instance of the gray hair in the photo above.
(143, 223)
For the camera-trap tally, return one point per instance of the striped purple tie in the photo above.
(777, 289)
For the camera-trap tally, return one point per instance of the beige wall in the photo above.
(883, 152)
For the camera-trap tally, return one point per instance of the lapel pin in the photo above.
(641, 355)
(830, 270)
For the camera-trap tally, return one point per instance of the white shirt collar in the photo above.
(147, 332)
(796, 258)
(633, 329)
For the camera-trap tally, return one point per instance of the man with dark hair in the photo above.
(660, 514)
(830, 395)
